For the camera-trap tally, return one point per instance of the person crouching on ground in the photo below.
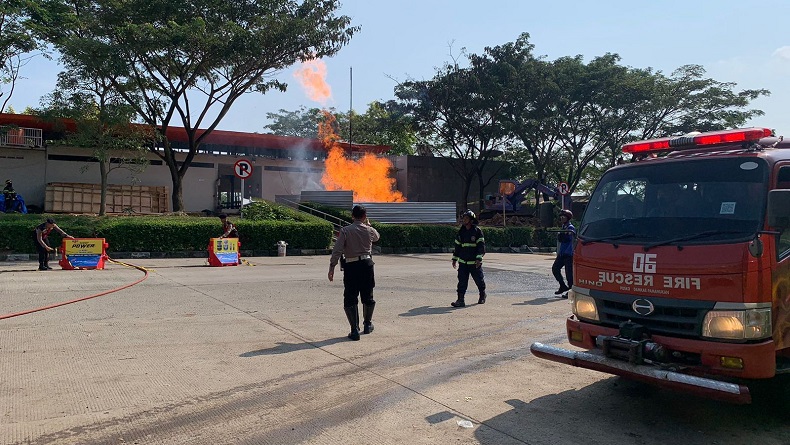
(40, 235)
(470, 246)
(355, 241)
(229, 230)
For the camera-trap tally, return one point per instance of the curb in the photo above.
(11, 257)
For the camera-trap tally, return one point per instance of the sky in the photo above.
(735, 41)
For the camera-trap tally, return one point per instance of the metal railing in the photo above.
(22, 137)
(337, 223)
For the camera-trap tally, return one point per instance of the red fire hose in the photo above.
(30, 311)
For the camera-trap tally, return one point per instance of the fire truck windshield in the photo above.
(658, 202)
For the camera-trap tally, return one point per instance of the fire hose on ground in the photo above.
(77, 300)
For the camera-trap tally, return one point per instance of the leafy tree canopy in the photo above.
(186, 63)
(16, 41)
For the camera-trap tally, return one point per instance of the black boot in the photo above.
(482, 299)
(352, 313)
(458, 303)
(367, 314)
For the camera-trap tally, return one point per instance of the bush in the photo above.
(184, 233)
(268, 211)
(164, 233)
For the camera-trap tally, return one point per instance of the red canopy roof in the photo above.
(54, 130)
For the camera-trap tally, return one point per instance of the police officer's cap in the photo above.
(566, 213)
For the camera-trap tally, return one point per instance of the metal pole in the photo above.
(504, 218)
(350, 103)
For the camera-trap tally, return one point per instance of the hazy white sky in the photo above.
(736, 41)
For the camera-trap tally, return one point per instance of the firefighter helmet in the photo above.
(471, 216)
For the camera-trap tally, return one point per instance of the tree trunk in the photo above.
(104, 170)
(178, 197)
(467, 187)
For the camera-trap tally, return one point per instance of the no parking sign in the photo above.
(242, 168)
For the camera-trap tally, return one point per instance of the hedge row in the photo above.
(398, 236)
(181, 233)
(163, 234)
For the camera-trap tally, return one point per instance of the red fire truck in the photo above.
(682, 266)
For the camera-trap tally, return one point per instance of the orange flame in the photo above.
(311, 75)
(369, 177)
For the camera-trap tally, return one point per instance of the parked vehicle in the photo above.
(15, 205)
(682, 266)
(512, 193)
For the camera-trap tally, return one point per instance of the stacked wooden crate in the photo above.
(64, 197)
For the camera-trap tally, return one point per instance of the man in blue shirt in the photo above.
(564, 253)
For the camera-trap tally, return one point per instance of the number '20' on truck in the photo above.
(682, 266)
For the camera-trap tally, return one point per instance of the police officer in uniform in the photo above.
(40, 235)
(355, 242)
(470, 246)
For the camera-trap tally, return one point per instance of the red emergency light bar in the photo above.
(698, 140)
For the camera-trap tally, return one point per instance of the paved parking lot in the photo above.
(258, 355)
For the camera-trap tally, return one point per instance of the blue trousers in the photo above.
(561, 261)
(464, 270)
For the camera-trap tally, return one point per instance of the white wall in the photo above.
(31, 169)
(25, 168)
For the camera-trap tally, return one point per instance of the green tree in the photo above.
(302, 123)
(680, 103)
(190, 61)
(103, 124)
(458, 114)
(16, 44)
(382, 124)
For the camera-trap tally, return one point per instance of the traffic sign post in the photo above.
(243, 170)
(563, 189)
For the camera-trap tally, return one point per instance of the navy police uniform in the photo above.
(355, 242)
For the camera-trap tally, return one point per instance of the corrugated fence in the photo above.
(383, 212)
(411, 212)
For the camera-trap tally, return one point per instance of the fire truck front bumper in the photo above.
(595, 360)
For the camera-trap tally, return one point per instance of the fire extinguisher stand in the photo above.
(224, 252)
(83, 253)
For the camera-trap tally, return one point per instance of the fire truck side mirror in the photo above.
(779, 208)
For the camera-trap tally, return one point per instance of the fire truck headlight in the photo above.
(747, 324)
(583, 306)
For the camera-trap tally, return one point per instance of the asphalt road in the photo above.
(259, 355)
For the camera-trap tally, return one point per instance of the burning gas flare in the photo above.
(368, 177)
(311, 76)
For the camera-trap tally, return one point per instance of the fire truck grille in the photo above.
(665, 319)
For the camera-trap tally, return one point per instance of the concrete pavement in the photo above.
(258, 355)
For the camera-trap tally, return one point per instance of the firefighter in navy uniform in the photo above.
(40, 235)
(470, 246)
(355, 241)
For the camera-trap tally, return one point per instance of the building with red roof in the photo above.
(32, 156)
